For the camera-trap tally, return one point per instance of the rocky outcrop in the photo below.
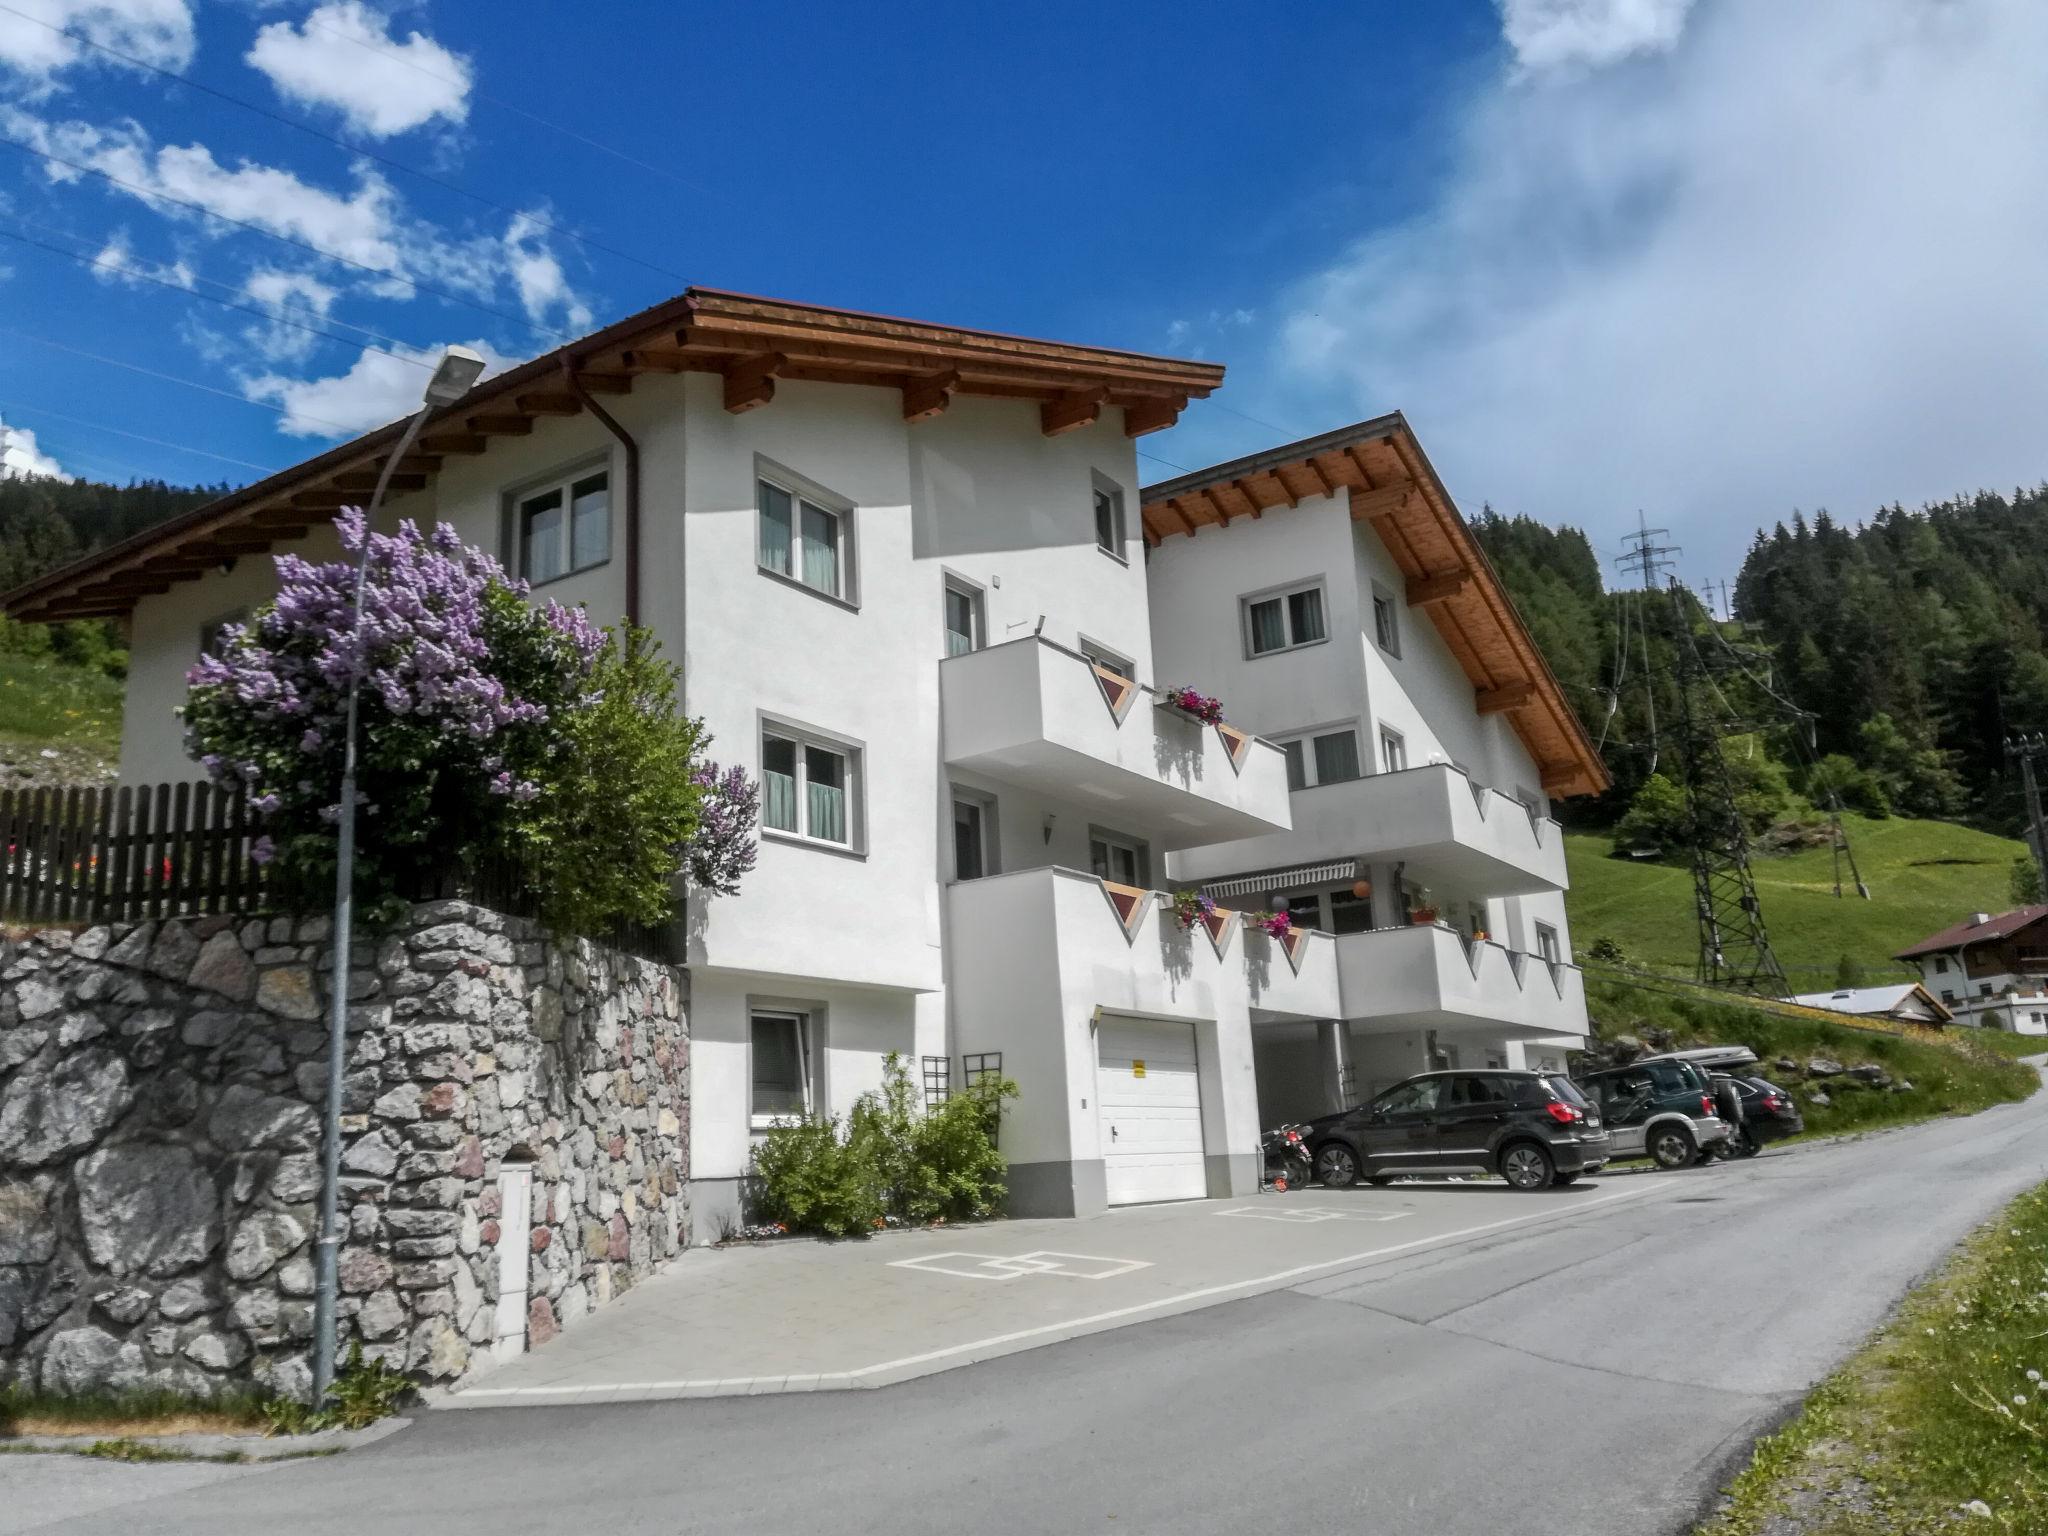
(160, 1099)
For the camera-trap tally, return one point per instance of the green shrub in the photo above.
(896, 1160)
(363, 1391)
(1656, 818)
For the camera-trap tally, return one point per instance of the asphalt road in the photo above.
(1600, 1375)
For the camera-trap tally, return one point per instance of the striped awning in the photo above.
(1281, 879)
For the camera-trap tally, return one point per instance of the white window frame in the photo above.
(1306, 740)
(1109, 659)
(802, 491)
(1137, 847)
(807, 1078)
(991, 842)
(1101, 487)
(1383, 602)
(1393, 750)
(562, 481)
(1281, 594)
(977, 613)
(854, 756)
(1549, 944)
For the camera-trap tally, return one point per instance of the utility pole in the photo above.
(2025, 748)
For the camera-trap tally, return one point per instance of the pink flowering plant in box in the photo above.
(1192, 906)
(1205, 709)
(489, 729)
(1278, 925)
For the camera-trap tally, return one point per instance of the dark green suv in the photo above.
(1534, 1129)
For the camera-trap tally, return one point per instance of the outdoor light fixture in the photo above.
(458, 369)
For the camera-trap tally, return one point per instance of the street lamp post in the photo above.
(452, 379)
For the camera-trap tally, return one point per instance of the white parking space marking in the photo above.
(1041, 1261)
(1302, 1214)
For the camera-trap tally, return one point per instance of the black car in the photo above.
(1534, 1129)
(1768, 1114)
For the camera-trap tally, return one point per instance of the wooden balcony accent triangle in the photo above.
(1118, 691)
(1295, 944)
(1128, 902)
(1218, 926)
(1236, 743)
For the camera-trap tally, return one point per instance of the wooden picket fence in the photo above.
(123, 855)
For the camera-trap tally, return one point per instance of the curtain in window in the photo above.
(590, 523)
(959, 622)
(774, 552)
(825, 773)
(1107, 534)
(778, 784)
(1336, 757)
(1268, 633)
(1305, 609)
(541, 537)
(821, 549)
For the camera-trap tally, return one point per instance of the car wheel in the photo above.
(1564, 1178)
(1527, 1166)
(1672, 1146)
(1336, 1165)
(1750, 1145)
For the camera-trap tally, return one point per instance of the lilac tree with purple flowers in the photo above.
(476, 725)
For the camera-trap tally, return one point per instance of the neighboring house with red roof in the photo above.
(1990, 970)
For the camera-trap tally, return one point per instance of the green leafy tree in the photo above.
(1656, 818)
(1915, 774)
(2026, 881)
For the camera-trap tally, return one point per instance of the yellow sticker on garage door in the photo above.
(1137, 1069)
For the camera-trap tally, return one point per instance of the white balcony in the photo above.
(1433, 976)
(1453, 834)
(1034, 714)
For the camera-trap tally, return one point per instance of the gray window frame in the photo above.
(1384, 601)
(800, 489)
(512, 515)
(1281, 594)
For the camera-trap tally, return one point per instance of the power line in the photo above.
(193, 293)
(1141, 453)
(342, 144)
(382, 273)
(154, 442)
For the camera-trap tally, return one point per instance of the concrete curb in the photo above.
(325, 1442)
(889, 1373)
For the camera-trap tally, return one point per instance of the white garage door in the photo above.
(1151, 1111)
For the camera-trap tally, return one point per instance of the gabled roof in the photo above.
(1971, 931)
(1874, 1000)
(751, 341)
(1391, 485)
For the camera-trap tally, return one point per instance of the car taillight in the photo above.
(1706, 1106)
(1563, 1114)
(1772, 1101)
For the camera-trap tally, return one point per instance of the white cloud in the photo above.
(117, 262)
(21, 458)
(1794, 262)
(297, 299)
(382, 87)
(377, 388)
(157, 32)
(537, 274)
(1548, 33)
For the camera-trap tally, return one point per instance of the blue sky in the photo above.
(1705, 257)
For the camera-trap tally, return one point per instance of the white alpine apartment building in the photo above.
(916, 587)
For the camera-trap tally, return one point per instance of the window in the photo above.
(974, 835)
(1477, 1092)
(210, 631)
(1349, 913)
(1546, 943)
(1118, 859)
(1410, 1098)
(782, 1066)
(1283, 621)
(1328, 757)
(1983, 989)
(1940, 965)
(1306, 911)
(805, 541)
(966, 627)
(1109, 520)
(1386, 627)
(1108, 660)
(565, 527)
(807, 787)
(1393, 751)
(1947, 996)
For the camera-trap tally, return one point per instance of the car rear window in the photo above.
(1565, 1089)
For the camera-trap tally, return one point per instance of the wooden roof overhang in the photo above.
(750, 342)
(1389, 483)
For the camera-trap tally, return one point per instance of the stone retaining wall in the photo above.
(160, 1093)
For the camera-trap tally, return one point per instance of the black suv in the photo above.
(1534, 1129)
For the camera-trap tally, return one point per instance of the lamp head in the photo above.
(458, 370)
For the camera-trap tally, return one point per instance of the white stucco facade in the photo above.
(845, 947)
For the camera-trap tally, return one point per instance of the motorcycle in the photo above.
(1286, 1157)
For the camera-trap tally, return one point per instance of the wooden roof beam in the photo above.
(605, 381)
(1075, 408)
(1386, 501)
(457, 442)
(501, 424)
(1180, 512)
(656, 360)
(750, 381)
(926, 397)
(548, 402)
(364, 485)
(1426, 591)
(1251, 500)
(1558, 778)
(1493, 701)
(1151, 416)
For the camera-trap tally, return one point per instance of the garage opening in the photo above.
(1149, 1095)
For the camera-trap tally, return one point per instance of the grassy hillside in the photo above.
(59, 723)
(1923, 875)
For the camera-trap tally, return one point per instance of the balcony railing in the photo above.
(1032, 713)
(1452, 833)
(1429, 974)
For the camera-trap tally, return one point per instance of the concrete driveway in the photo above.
(808, 1316)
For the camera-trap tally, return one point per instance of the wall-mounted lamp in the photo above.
(1050, 818)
